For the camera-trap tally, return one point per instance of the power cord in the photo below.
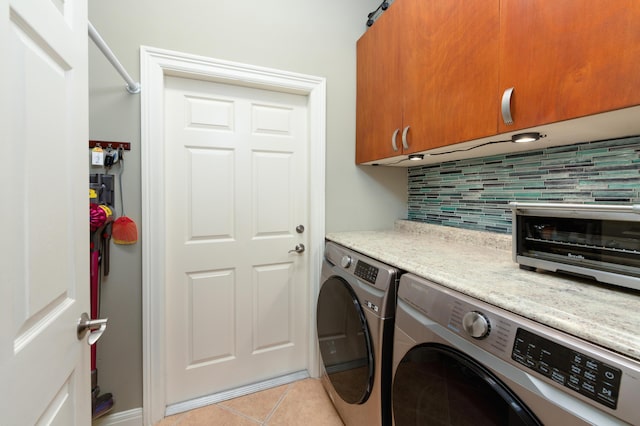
(447, 152)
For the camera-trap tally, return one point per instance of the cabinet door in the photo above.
(450, 70)
(379, 101)
(568, 59)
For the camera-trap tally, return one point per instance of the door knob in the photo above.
(95, 328)
(298, 249)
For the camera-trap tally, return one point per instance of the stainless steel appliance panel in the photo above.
(355, 316)
(558, 378)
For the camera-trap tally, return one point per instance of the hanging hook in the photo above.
(374, 15)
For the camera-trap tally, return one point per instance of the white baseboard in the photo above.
(124, 418)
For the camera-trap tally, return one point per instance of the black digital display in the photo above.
(571, 369)
(366, 271)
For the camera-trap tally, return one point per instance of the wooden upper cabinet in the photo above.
(378, 104)
(428, 69)
(568, 59)
(450, 71)
(440, 69)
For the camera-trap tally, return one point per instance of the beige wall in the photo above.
(304, 36)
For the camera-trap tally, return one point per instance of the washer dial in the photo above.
(476, 324)
(346, 261)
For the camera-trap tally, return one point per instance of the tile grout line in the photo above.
(238, 413)
(277, 404)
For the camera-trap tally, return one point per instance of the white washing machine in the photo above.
(459, 361)
(355, 320)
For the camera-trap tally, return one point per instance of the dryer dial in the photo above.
(346, 261)
(476, 324)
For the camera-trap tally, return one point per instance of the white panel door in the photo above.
(236, 189)
(44, 252)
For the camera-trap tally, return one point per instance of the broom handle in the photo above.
(120, 185)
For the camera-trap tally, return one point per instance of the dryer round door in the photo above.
(436, 384)
(345, 341)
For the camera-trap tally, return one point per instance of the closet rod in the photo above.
(132, 86)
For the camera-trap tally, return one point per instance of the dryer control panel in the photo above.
(574, 370)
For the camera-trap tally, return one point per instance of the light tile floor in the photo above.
(300, 403)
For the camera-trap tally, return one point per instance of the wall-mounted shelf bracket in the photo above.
(108, 144)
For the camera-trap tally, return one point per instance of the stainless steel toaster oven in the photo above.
(596, 241)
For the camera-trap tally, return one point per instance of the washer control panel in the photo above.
(376, 283)
(574, 370)
(605, 383)
(366, 272)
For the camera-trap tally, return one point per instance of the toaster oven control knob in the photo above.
(476, 324)
(346, 261)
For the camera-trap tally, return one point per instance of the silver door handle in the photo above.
(95, 328)
(405, 143)
(506, 106)
(298, 249)
(394, 145)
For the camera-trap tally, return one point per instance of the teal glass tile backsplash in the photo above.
(475, 193)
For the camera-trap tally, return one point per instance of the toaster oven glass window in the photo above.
(607, 245)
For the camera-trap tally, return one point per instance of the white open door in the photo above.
(44, 248)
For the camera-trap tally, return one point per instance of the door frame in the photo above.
(155, 64)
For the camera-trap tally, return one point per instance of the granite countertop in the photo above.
(480, 265)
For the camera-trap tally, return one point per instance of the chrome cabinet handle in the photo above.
(394, 145)
(95, 328)
(405, 144)
(506, 106)
(299, 248)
